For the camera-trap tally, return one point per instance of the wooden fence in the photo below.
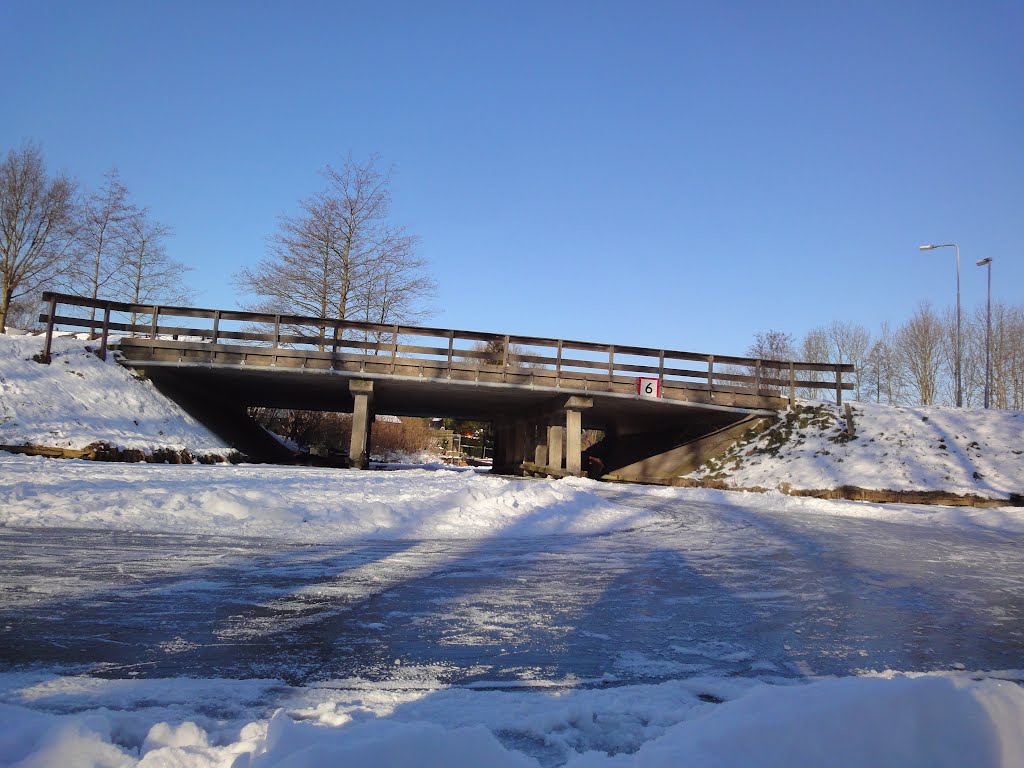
(338, 344)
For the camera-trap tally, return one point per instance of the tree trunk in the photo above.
(5, 304)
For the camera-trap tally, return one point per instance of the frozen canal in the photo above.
(710, 588)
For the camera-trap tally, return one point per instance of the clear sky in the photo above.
(666, 174)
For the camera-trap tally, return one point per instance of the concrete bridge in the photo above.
(656, 407)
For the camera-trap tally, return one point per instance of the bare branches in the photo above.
(146, 274)
(920, 344)
(36, 225)
(340, 257)
(103, 233)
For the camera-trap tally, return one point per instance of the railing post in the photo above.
(611, 364)
(757, 377)
(661, 371)
(394, 347)
(49, 329)
(839, 385)
(156, 315)
(105, 333)
(792, 384)
(711, 374)
(558, 365)
(504, 359)
(216, 326)
(277, 338)
(451, 351)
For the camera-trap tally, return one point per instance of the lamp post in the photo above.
(988, 331)
(959, 390)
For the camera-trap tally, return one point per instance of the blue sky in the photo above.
(665, 174)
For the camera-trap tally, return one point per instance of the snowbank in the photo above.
(958, 450)
(1005, 519)
(332, 505)
(894, 720)
(79, 400)
(298, 503)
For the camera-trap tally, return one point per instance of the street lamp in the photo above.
(959, 390)
(988, 331)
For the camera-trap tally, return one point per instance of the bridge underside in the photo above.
(409, 396)
(537, 427)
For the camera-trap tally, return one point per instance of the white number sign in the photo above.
(648, 387)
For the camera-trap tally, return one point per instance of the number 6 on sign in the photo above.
(648, 387)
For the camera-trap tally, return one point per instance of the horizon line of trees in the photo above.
(914, 363)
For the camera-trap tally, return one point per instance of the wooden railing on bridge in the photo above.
(313, 342)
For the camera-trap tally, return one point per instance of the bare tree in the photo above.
(1007, 356)
(920, 341)
(849, 343)
(36, 225)
(815, 349)
(771, 345)
(882, 374)
(340, 257)
(972, 359)
(103, 235)
(147, 275)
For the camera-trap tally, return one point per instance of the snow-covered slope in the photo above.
(962, 451)
(79, 400)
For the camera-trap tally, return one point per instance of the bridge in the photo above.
(656, 407)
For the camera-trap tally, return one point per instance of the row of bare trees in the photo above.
(98, 243)
(915, 363)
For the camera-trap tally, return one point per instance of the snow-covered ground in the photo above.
(962, 451)
(79, 400)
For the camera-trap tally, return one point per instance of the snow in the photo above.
(330, 505)
(79, 400)
(891, 719)
(963, 451)
(297, 503)
(1007, 519)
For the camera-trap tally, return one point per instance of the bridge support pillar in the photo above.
(540, 444)
(362, 423)
(556, 438)
(521, 443)
(574, 408)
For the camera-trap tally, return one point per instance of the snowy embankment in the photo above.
(958, 451)
(79, 400)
